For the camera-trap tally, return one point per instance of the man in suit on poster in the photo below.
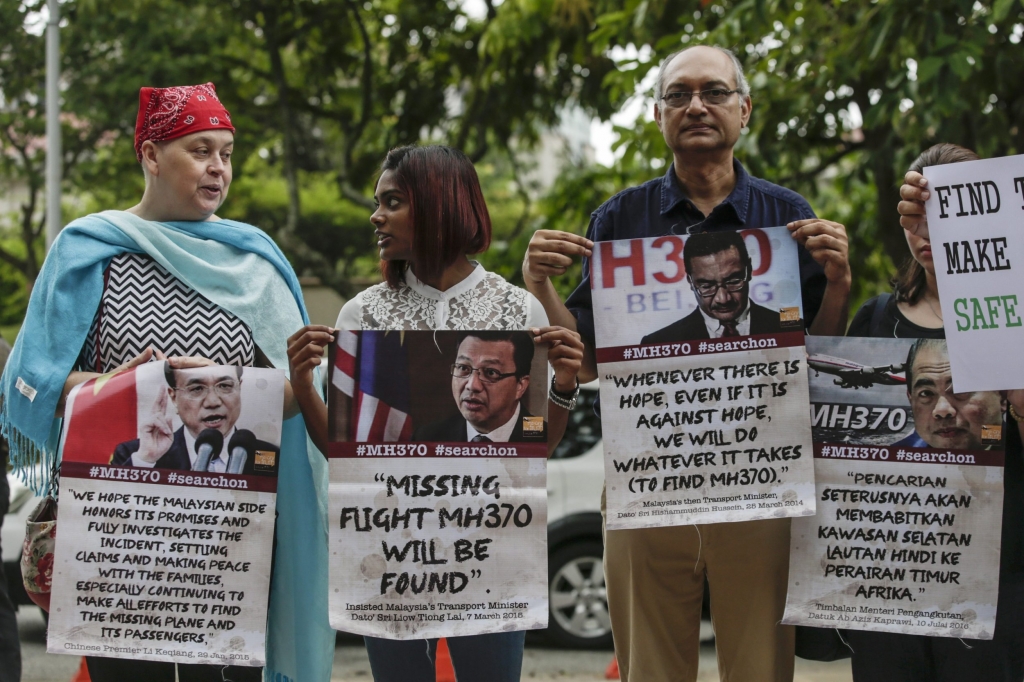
(702, 103)
(204, 398)
(718, 268)
(943, 419)
(490, 376)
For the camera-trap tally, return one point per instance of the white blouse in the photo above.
(483, 300)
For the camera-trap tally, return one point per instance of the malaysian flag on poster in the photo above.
(372, 368)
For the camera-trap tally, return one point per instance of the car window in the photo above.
(583, 430)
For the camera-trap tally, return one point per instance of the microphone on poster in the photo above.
(241, 446)
(209, 443)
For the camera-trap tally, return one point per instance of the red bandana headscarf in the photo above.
(168, 113)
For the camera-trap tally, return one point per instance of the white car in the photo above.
(578, 599)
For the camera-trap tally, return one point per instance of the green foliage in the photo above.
(319, 90)
(917, 73)
(845, 94)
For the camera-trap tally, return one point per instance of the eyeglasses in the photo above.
(712, 97)
(709, 289)
(488, 375)
(198, 392)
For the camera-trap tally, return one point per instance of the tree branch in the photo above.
(803, 176)
(12, 260)
(367, 81)
(474, 104)
(521, 191)
(265, 75)
(339, 116)
(280, 80)
(482, 145)
(354, 195)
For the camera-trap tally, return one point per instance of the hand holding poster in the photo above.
(910, 494)
(167, 507)
(438, 486)
(703, 380)
(977, 234)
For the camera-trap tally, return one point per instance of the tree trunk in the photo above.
(287, 130)
(890, 234)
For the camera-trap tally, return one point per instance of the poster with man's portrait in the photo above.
(910, 494)
(438, 486)
(726, 284)
(168, 500)
(703, 378)
(444, 387)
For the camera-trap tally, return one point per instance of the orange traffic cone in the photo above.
(82, 674)
(612, 672)
(443, 670)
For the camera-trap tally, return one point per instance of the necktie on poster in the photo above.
(158, 558)
(697, 429)
(433, 533)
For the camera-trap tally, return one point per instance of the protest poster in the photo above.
(909, 479)
(976, 229)
(168, 485)
(438, 483)
(700, 352)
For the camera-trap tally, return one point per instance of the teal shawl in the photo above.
(238, 267)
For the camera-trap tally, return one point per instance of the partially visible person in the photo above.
(203, 398)
(490, 376)
(656, 576)
(914, 192)
(944, 419)
(912, 310)
(430, 218)
(10, 646)
(169, 279)
(718, 269)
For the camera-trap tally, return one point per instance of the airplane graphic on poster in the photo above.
(855, 375)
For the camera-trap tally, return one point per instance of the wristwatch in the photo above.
(564, 400)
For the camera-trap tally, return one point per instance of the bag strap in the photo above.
(53, 485)
(881, 303)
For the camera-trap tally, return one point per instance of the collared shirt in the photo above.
(219, 465)
(659, 207)
(715, 327)
(483, 300)
(498, 435)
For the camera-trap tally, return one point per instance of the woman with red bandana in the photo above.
(169, 279)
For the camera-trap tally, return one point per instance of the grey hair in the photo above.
(741, 81)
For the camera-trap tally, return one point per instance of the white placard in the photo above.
(165, 560)
(437, 530)
(699, 429)
(463, 554)
(910, 496)
(161, 573)
(976, 226)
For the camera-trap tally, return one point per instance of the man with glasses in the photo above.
(490, 376)
(943, 419)
(655, 577)
(204, 398)
(718, 269)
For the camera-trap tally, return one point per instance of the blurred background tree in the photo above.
(845, 95)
